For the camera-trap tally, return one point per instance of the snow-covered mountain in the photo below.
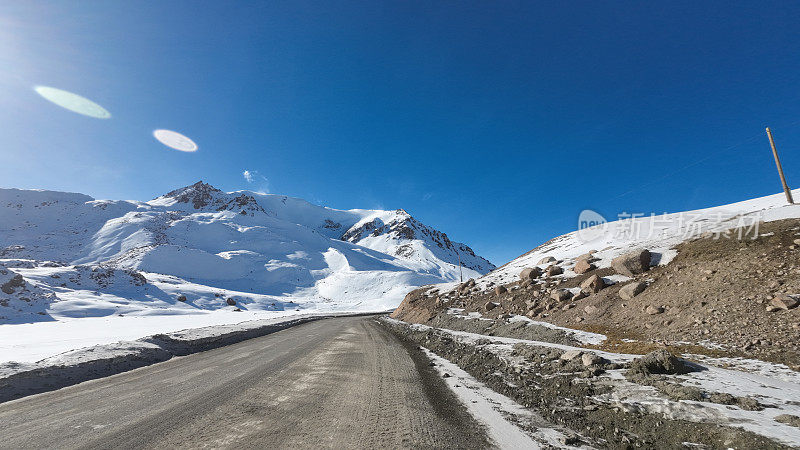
(657, 233)
(199, 248)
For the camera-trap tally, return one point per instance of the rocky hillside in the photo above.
(205, 247)
(684, 336)
(723, 289)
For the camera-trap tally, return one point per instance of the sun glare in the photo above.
(175, 140)
(73, 102)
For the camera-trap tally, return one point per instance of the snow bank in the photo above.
(75, 366)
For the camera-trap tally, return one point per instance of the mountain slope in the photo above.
(260, 251)
(725, 279)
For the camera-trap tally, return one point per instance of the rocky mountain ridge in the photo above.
(260, 248)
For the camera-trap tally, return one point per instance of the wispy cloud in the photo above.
(252, 176)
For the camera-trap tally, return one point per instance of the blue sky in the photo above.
(496, 122)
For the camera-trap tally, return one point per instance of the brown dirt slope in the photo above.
(712, 298)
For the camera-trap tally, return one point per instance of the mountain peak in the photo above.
(205, 196)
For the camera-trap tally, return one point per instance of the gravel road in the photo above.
(340, 382)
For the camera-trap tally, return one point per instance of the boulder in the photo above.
(230, 301)
(561, 295)
(553, 270)
(500, 290)
(788, 419)
(658, 362)
(530, 273)
(653, 310)
(784, 301)
(593, 284)
(546, 260)
(631, 290)
(632, 263)
(590, 359)
(490, 306)
(181, 298)
(466, 286)
(590, 309)
(570, 355)
(583, 266)
(580, 295)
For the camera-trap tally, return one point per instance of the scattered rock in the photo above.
(784, 301)
(658, 362)
(530, 273)
(569, 440)
(583, 266)
(678, 392)
(593, 284)
(561, 295)
(653, 310)
(15, 282)
(466, 286)
(632, 263)
(772, 308)
(546, 260)
(553, 270)
(631, 290)
(590, 359)
(570, 355)
(722, 398)
(749, 404)
(590, 309)
(788, 419)
(580, 295)
(138, 278)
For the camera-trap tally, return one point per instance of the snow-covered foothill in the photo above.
(657, 233)
(198, 250)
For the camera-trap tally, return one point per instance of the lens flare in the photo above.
(72, 102)
(175, 140)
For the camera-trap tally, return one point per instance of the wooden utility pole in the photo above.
(460, 274)
(780, 169)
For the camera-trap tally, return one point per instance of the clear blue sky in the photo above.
(496, 122)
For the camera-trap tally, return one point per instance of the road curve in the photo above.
(339, 382)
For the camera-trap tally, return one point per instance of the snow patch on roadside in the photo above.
(75, 366)
(497, 412)
(584, 337)
(773, 385)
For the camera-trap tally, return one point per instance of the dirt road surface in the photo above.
(340, 382)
